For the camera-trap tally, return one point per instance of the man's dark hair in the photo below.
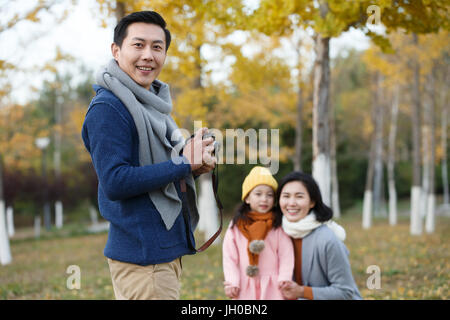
(120, 31)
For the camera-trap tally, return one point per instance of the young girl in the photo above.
(258, 257)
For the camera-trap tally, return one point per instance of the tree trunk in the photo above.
(298, 132)
(429, 114)
(391, 158)
(37, 226)
(378, 164)
(5, 250)
(334, 176)
(93, 214)
(207, 208)
(298, 125)
(47, 210)
(57, 159)
(209, 222)
(120, 10)
(444, 128)
(426, 150)
(416, 190)
(368, 193)
(321, 134)
(10, 221)
(1, 179)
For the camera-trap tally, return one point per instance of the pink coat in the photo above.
(276, 263)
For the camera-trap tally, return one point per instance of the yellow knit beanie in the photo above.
(258, 175)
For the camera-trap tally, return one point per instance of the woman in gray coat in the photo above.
(322, 269)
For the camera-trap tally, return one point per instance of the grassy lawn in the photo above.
(411, 267)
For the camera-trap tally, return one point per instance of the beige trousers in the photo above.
(152, 282)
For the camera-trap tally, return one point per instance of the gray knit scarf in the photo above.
(150, 110)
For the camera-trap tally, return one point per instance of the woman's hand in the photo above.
(282, 284)
(291, 290)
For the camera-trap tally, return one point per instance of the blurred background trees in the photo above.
(233, 65)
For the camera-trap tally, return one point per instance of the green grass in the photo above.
(411, 267)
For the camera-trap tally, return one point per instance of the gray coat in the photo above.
(326, 268)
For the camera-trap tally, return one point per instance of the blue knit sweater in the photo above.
(137, 233)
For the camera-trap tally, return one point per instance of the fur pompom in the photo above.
(256, 246)
(252, 271)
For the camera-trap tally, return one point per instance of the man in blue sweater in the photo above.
(143, 163)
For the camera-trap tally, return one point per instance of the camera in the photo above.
(216, 144)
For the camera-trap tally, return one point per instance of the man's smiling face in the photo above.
(142, 53)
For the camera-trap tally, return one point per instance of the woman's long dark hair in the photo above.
(244, 209)
(322, 211)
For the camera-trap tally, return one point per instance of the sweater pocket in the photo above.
(173, 237)
(157, 241)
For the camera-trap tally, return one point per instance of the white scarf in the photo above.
(303, 227)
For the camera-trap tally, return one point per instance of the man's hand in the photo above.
(198, 152)
(194, 149)
(209, 161)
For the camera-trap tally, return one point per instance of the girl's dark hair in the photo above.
(322, 211)
(244, 209)
(120, 31)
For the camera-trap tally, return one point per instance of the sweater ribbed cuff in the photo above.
(308, 293)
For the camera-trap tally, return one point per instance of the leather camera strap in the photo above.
(215, 185)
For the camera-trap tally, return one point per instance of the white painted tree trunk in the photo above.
(5, 250)
(378, 209)
(368, 195)
(322, 174)
(367, 210)
(430, 223)
(431, 142)
(378, 190)
(321, 134)
(426, 165)
(207, 207)
(58, 214)
(334, 174)
(416, 220)
(10, 221)
(335, 199)
(201, 226)
(37, 226)
(93, 214)
(374, 154)
(392, 204)
(335, 204)
(57, 158)
(391, 159)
